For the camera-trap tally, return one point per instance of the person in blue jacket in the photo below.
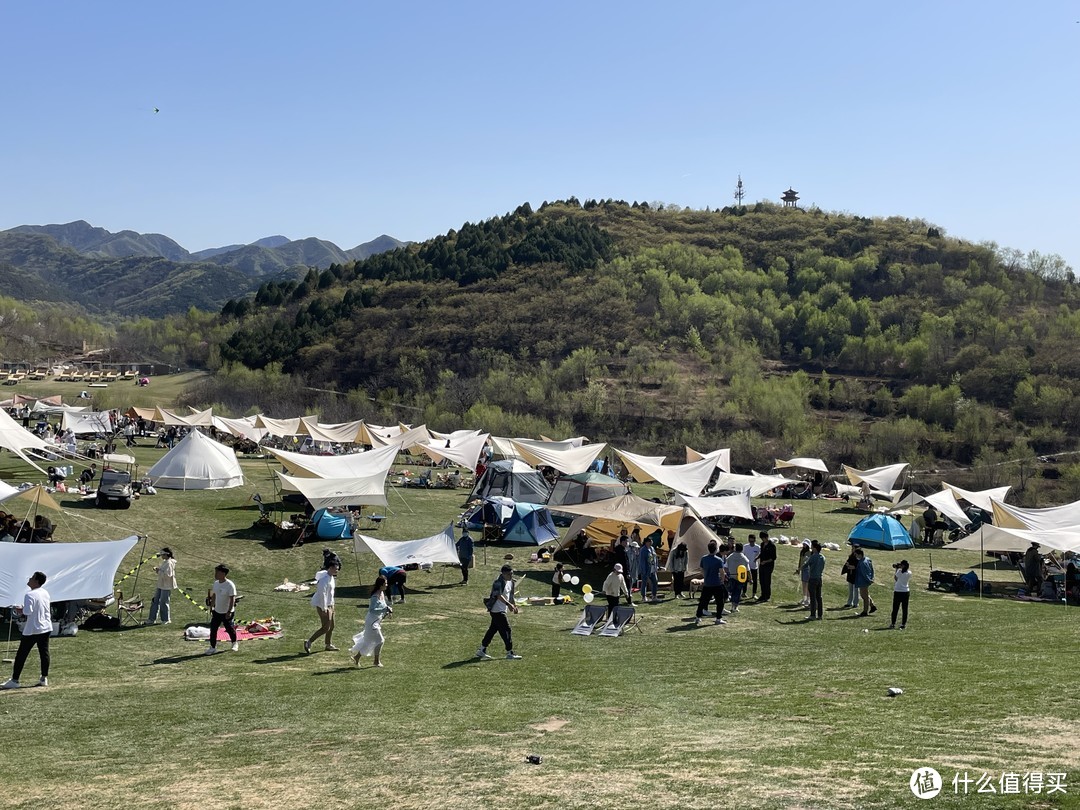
(864, 578)
(395, 578)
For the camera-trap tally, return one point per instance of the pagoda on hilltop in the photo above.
(791, 198)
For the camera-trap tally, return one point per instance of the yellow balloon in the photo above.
(586, 588)
(741, 573)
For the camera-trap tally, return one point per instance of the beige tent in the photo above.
(697, 536)
(601, 520)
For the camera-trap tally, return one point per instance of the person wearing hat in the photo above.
(814, 570)
(501, 600)
(222, 603)
(614, 587)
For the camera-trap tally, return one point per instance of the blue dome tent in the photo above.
(881, 531)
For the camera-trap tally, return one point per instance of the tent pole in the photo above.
(138, 568)
(982, 560)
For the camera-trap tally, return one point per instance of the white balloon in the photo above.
(574, 580)
(587, 598)
(566, 578)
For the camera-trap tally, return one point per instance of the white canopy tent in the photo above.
(348, 465)
(19, 440)
(454, 436)
(340, 433)
(241, 428)
(327, 492)
(197, 462)
(437, 548)
(892, 496)
(686, 479)
(723, 457)
(74, 570)
(576, 441)
(1004, 539)
(464, 451)
(602, 519)
(567, 460)
(407, 440)
(281, 428)
(167, 417)
(946, 504)
(200, 418)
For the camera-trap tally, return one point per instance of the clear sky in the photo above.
(346, 120)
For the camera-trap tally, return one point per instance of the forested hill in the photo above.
(774, 330)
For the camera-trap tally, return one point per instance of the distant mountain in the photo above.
(264, 257)
(150, 274)
(83, 237)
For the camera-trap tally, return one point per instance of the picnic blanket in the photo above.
(260, 629)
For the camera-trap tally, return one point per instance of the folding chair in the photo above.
(589, 618)
(625, 616)
(129, 611)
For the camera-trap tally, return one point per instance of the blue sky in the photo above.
(348, 120)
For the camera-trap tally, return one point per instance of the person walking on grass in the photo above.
(465, 555)
(323, 602)
(613, 588)
(222, 602)
(713, 579)
(814, 568)
(800, 572)
(864, 578)
(166, 584)
(678, 561)
(901, 593)
(369, 641)
(37, 609)
(501, 600)
(766, 564)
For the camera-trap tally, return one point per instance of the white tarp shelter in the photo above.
(282, 428)
(981, 498)
(728, 505)
(347, 465)
(241, 428)
(1052, 517)
(405, 439)
(437, 548)
(756, 484)
(339, 433)
(73, 570)
(197, 462)
(946, 504)
(601, 519)
(723, 457)
(328, 492)
(464, 451)
(815, 464)
(87, 422)
(19, 440)
(686, 479)
(1002, 539)
(567, 460)
(880, 479)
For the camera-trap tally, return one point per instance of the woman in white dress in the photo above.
(370, 641)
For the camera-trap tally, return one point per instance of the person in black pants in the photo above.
(37, 608)
(502, 599)
(766, 564)
(714, 585)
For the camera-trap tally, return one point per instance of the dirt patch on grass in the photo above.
(551, 724)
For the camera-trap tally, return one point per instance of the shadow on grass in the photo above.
(340, 670)
(251, 533)
(472, 659)
(175, 659)
(281, 659)
(688, 624)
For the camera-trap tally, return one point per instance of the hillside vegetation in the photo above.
(773, 330)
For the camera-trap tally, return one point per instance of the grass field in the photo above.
(768, 711)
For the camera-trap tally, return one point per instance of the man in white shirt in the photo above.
(37, 608)
(501, 599)
(222, 601)
(323, 602)
(752, 551)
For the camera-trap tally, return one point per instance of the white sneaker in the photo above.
(720, 621)
(734, 610)
(43, 681)
(12, 684)
(697, 622)
(706, 613)
(167, 621)
(513, 656)
(236, 646)
(211, 651)
(482, 654)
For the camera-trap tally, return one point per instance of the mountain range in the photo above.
(151, 274)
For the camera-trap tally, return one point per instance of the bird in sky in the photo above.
(156, 110)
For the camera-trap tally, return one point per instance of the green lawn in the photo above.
(768, 711)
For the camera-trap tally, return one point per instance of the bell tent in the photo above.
(197, 462)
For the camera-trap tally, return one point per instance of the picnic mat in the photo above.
(265, 628)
